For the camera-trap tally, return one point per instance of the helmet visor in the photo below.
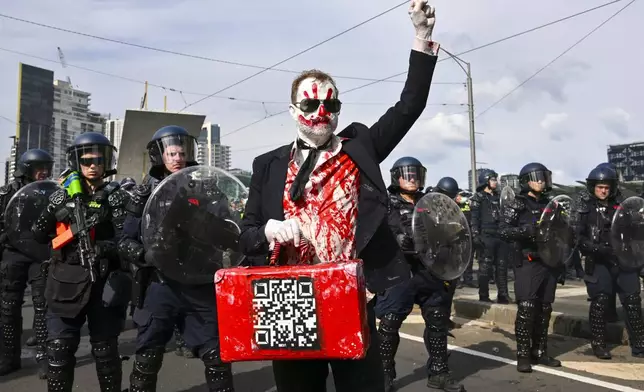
(540, 176)
(100, 158)
(39, 168)
(415, 174)
(176, 149)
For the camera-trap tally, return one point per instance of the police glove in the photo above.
(405, 242)
(282, 232)
(131, 251)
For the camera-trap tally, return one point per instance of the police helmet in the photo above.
(484, 178)
(175, 138)
(92, 148)
(602, 174)
(608, 165)
(447, 186)
(535, 172)
(409, 169)
(32, 160)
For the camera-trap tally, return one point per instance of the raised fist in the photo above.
(423, 17)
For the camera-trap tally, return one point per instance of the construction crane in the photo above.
(61, 56)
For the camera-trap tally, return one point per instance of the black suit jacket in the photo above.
(376, 245)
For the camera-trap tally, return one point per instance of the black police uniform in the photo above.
(165, 303)
(430, 293)
(486, 213)
(593, 219)
(535, 283)
(72, 296)
(18, 269)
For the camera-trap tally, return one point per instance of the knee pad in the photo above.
(390, 324)
(527, 310)
(436, 320)
(10, 303)
(633, 300)
(148, 361)
(211, 358)
(62, 352)
(105, 350)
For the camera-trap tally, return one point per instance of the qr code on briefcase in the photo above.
(285, 314)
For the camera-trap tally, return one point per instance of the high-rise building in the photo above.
(511, 180)
(114, 132)
(629, 159)
(35, 109)
(72, 117)
(209, 151)
(10, 163)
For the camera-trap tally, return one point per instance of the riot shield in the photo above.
(188, 227)
(442, 237)
(507, 195)
(627, 233)
(555, 243)
(22, 211)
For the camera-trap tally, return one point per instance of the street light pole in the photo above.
(470, 109)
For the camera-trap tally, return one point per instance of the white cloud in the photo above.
(553, 119)
(616, 121)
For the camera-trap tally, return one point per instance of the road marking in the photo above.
(553, 372)
(626, 371)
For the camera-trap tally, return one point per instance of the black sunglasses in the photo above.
(309, 105)
(98, 161)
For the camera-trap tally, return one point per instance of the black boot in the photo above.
(540, 338)
(634, 324)
(389, 340)
(523, 327)
(40, 327)
(10, 333)
(219, 375)
(146, 367)
(62, 360)
(108, 365)
(503, 296)
(484, 280)
(597, 320)
(435, 337)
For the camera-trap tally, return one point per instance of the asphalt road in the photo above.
(481, 356)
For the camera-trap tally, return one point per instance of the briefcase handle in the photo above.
(276, 252)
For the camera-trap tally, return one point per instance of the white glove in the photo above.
(423, 17)
(284, 232)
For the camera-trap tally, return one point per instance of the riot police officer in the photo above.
(575, 262)
(162, 301)
(85, 282)
(485, 206)
(535, 283)
(593, 217)
(448, 186)
(432, 294)
(18, 269)
(467, 279)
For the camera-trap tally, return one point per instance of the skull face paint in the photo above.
(317, 126)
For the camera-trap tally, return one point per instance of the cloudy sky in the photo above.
(565, 117)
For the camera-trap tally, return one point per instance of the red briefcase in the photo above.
(292, 312)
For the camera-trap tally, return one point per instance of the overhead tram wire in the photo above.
(571, 47)
(447, 58)
(181, 54)
(176, 90)
(296, 54)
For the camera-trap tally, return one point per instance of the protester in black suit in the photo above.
(289, 185)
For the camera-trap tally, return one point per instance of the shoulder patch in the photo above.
(4, 190)
(57, 198)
